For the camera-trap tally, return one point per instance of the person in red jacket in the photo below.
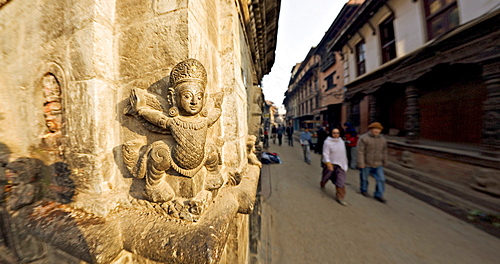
(351, 140)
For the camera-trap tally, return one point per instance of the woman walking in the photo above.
(335, 164)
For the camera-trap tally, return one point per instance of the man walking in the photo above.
(289, 133)
(305, 139)
(280, 132)
(372, 156)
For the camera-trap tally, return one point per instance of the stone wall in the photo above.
(71, 71)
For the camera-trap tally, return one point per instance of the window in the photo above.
(327, 60)
(360, 57)
(387, 40)
(441, 16)
(330, 81)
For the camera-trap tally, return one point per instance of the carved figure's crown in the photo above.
(188, 70)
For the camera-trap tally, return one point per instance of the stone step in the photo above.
(462, 204)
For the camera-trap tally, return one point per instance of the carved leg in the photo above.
(199, 202)
(214, 178)
(157, 189)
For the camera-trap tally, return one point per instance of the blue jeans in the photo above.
(378, 174)
(307, 156)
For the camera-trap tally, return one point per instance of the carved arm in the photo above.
(216, 113)
(155, 117)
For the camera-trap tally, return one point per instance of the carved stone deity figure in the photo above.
(53, 114)
(188, 121)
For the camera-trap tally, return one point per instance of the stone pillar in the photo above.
(412, 114)
(491, 118)
(373, 109)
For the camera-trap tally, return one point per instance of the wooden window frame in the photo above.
(444, 12)
(361, 58)
(387, 45)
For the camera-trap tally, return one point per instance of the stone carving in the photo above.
(184, 116)
(146, 232)
(53, 114)
(406, 159)
(412, 114)
(486, 180)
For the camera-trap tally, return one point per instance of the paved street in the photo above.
(302, 223)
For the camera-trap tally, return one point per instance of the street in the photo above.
(301, 223)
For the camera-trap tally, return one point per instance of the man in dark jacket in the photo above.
(289, 134)
(322, 135)
(372, 156)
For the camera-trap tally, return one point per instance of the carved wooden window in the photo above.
(441, 16)
(360, 57)
(328, 59)
(387, 39)
(330, 81)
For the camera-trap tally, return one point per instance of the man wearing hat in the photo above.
(372, 156)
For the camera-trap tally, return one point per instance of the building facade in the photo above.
(428, 71)
(316, 88)
(302, 99)
(331, 70)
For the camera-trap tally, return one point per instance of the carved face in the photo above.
(190, 98)
(53, 123)
(50, 86)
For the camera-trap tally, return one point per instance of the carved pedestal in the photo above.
(374, 114)
(412, 114)
(491, 119)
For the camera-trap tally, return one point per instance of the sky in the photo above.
(301, 25)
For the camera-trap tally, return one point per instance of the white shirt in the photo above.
(334, 152)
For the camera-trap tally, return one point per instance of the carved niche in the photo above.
(53, 114)
(185, 158)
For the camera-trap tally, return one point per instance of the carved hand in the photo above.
(218, 99)
(137, 98)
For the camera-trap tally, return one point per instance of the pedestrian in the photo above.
(305, 139)
(273, 134)
(280, 132)
(322, 135)
(335, 164)
(289, 134)
(351, 141)
(266, 139)
(372, 157)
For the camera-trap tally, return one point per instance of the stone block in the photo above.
(80, 123)
(91, 53)
(165, 6)
(131, 12)
(153, 47)
(81, 13)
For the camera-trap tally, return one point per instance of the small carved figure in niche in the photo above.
(53, 114)
(187, 120)
(51, 88)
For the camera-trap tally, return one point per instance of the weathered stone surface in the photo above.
(68, 69)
